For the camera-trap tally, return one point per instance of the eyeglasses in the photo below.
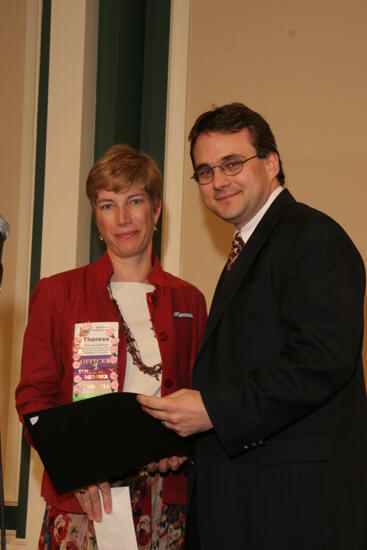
(230, 167)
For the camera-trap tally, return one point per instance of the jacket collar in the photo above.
(228, 285)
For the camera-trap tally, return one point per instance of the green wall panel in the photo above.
(133, 43)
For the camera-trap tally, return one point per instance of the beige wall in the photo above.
(12, 62)
(300, 64)
(66, 220)
(303, 66)
(20, 24)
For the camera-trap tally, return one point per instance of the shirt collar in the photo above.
(247, 229)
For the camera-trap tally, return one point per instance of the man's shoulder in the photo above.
(308, 224)
(303, 215)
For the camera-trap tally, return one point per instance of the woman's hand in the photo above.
(90, 500)
(165, 464)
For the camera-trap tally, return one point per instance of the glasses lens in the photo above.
(204, 174)
(232, 167)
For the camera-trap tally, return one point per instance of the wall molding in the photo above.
(69, 146)
(24, 242)
(70, 134)
(175, 136)
(12, 543)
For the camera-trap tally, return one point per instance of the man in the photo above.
(278, 391)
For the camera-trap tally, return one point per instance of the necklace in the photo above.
(132, 346)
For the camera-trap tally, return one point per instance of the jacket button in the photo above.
(163, 336)
(168, 383)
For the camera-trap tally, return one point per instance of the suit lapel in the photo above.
(228, 284)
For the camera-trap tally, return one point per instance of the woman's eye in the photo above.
(136, 201)
(106, 206)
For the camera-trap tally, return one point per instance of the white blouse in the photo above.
(116, 530)
(132, 301)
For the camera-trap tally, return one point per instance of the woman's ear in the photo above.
(157, 212)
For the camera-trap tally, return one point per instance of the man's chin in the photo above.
(230, 217)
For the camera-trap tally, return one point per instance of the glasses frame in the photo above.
(196, 177)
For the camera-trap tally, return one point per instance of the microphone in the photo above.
(4, 234)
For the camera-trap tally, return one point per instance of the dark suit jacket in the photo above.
(280, 374)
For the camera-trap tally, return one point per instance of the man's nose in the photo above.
(220, 180)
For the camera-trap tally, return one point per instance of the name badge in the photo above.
(95, 356)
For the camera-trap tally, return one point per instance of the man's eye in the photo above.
(106, 206)
(204, 172)
(231, 165)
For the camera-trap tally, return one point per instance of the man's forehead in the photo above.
(222, 144)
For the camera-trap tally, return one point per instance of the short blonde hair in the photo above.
(119, 168)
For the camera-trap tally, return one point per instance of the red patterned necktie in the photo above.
(237, 246)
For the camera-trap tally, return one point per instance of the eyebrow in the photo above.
(103, 200)
(141, 193)
(223, 159)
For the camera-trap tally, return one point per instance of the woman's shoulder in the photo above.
(70, 276)
(99, 270)
(162, 278)
(66, 283)
(182, 285)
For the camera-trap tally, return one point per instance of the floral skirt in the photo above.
(157, 526)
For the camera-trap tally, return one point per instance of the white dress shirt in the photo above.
(247, 229)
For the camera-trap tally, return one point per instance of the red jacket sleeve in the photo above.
(41, 368)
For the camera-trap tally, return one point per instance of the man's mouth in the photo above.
(227, 196)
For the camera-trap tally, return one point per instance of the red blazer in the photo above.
(81, 295)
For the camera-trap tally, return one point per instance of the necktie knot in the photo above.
(237, 246)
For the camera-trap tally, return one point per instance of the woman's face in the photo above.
(126, 221)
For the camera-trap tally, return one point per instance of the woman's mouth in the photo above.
(126, 235)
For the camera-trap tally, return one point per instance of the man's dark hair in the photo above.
(233, 118)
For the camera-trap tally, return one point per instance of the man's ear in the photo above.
(272, 165)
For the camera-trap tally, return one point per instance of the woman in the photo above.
(154, 324)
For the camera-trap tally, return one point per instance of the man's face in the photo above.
(235, 199)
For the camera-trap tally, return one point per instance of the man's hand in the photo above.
(90, 501)
(182, 411)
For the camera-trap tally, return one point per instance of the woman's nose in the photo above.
(123, 215)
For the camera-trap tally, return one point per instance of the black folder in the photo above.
(102, 438)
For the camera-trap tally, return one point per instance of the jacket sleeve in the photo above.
(202, 317)
(41, 369)
(320, 307)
